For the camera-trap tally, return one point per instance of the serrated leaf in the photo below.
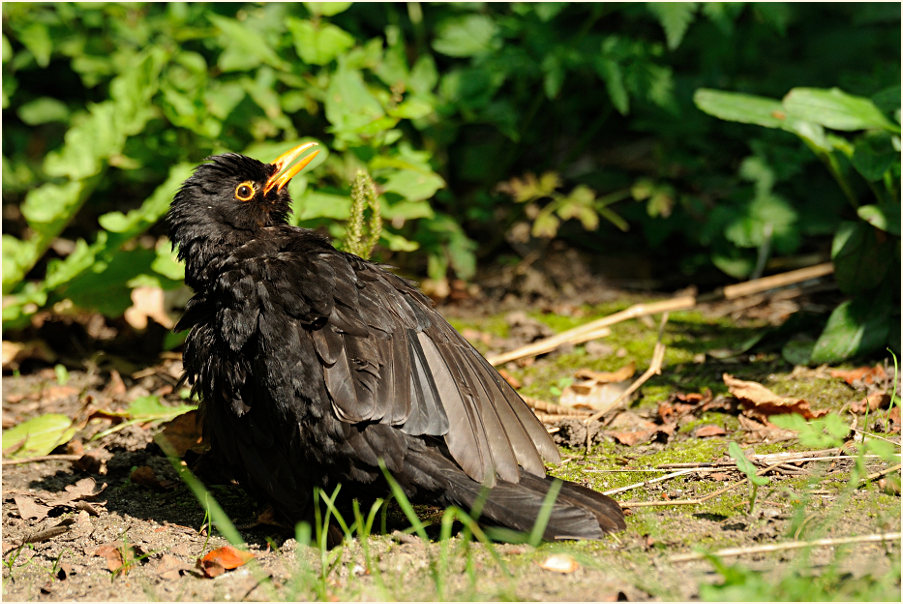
(611, 74)
(675, 18)
(834, 108)
(38, 436)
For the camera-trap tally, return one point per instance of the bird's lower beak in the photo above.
(285, 171)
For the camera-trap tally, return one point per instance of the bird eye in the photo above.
(244, 191)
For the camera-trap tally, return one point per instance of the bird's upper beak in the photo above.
(285, 171)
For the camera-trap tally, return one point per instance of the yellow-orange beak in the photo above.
(285, 171)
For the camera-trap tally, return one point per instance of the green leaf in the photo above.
(36, 39)
(38, 436)
(860, 263)
(611, 74)
(675, 18)
(465, 36)
(349, 104)
(318, 204)
(836, 109)
(744, 465)
(244, 46)
(855, 327)
(413, 185)
(743, 108)
(327, 9)
(884, 216)
(318, 43)
(820, 433)
(874, 156)
(43, 110)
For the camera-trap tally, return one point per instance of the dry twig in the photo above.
(593, 329)
(777, 547)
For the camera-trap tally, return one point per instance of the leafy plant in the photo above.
(866, 252)
(747, 467)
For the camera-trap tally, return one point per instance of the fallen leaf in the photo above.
(559, 563)
(872, 402)
(590, 394)
(169, 567)
(864, 375)
(112, 553)
(147, 477)
(624, 373)
(708, 431)
(184, 432)
(147, 303)
(14, 353)
(29, 509)
(220, 560)
(38, 436)
(760, 402)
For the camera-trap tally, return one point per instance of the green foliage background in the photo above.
(579, 120)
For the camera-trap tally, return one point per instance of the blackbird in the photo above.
(313, 365)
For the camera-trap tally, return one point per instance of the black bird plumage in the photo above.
(313, 364)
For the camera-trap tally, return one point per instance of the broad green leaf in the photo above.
(675, 18)
(884, 216)
(317, 204)
(743, 108)
(854, 327)
(860, 263)
(166, 263)
(412, 185)
(244, 47)
(38, 436)
(836, 109)
(820, 433)
(465, 36)
(36, 39)
(327, 9)
(873, 156)
(397, 243)
(407, 210)
(318, 43)
(349, 104)
(43, 110)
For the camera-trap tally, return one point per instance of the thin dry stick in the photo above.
(640, 504)
(553, 409)
(872, 477)
(587, 332)
(637, 485)
(777, 547)
(12, 462)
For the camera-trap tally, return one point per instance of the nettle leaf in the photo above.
(38, 436)
(836, 109)
(318, 43)
(854, 327)
(860, 263)
(675, 18)
(244, 46)
(349, 105)
(465, 35)
(611, 74)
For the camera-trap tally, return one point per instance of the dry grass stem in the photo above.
(876, 475)
(777, 547)
(62, 457)
(595, 329)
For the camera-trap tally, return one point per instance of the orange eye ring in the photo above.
(245, 191)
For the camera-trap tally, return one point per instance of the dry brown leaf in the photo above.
(589, 394)
(760, 402)
(560, 563)
(709, 430)
(14, 353)
(872, 402)
(220, 560)
(112, 553)
(624, 373)
(184, 433)
(865, 375)
(147, 303)
(169, 567)
(29, 509)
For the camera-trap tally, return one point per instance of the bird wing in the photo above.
(388, 357)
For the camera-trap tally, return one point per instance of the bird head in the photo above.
(232, 196)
